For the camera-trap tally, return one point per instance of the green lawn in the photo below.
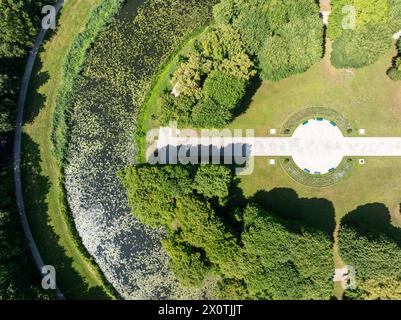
(44, 198)
(368, 99)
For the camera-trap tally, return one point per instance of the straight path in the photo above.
(17, 148)
(317, 145)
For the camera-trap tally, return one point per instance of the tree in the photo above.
(225, 11)
(208, 114)
(7, 85)
(19, 22)
(227, 91)
(284, 259)
(266, 258)
(360, 48)
(222, 42)
(239, 66)
(152, 191)
(5, 122)
(188, 77)
(252, 21)
(365, 12)
(369, 242)
(7, 95)
(295, 46)
(213, 181)
(187, 263)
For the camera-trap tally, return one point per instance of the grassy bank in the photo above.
(77, 275)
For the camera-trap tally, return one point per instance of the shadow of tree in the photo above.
(248, 98)
(35, 101)
(317, 213)
(36, 188)
(5, 148)
(372, 220)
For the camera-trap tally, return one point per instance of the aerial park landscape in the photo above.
(202, 150)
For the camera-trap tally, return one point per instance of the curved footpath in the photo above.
(17, 148)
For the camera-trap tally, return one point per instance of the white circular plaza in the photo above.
(318, 146)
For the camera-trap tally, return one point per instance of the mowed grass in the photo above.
(76, 275)
(367, 98)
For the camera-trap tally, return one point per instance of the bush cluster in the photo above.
(210, 82)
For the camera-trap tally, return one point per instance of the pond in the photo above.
(118, 73)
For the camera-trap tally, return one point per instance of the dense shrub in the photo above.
(208, 114)
(394, 7)
(176, 109)
(209, 82)
(225, 90)
(394, 72)
(359, 48)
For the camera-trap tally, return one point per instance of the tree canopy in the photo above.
(19, 22)
(369, 243)
(285, 36)
(359, 48)
(255, 253)
(210, 81)
(362, 30)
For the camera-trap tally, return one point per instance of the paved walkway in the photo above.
(316, 145)
(17, 148)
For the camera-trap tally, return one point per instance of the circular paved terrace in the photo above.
(318, 141)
